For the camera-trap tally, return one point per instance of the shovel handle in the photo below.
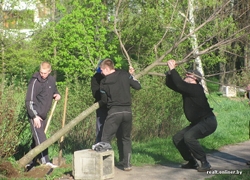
(52, 111)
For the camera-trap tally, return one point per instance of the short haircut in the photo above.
(45, 65)
(107, 62)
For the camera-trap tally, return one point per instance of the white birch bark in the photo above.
(194, 43)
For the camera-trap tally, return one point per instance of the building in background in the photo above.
(23, 16)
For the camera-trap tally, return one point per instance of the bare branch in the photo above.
(156, 74)
(119, 35)
(167, 29)
(181, 39)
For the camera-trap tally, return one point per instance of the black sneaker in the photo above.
(205, 166)
(190, 165)
(28, 167)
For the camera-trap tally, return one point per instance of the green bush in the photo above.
(156, 110)
(79, 99)
(12, 120)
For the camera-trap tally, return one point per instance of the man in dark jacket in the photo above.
(115, 93)
(41, 91)
(102, 112)
(197, 111)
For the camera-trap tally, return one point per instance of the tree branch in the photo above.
(119, 35)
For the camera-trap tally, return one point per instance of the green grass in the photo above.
(212, 87)
(233, 121)
(155, 151)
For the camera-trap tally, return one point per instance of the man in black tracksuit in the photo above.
(197, 111)
(115, 92)
(41, 91)
(102, 112)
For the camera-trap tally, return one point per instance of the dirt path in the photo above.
(228, 158)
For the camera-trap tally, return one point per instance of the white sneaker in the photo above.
(28, 167)
(51, 165)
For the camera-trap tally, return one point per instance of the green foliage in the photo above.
(82, 33)
(212, 85)
(11, 120)
(155, 112)
(143, 25)
(79, 39)
(19, 59)
(19, 19)
(242, 79)
(79, 99)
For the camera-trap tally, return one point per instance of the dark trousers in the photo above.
(101, 115)
(38, 138)
(119, 143)
(186, 140)
(119, 122)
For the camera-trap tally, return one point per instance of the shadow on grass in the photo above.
(22, 149)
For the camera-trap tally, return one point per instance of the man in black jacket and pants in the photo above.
(115, 92)
(197, 111)
(40, 94)
(102, 112)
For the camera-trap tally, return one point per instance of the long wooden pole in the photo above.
(51, 114)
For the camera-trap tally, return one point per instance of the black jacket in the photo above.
(95, 86)
(195, 103)
(40, 95)
(115, 89)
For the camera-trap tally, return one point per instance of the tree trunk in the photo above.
(2, 47)
(193, 39)
(222, 75)
(229, 66)
(247, 54)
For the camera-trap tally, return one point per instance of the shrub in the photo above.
(11, 113)
(79, 99)
(156, 110)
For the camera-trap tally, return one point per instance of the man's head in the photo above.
(193, 76)
(45, 69)
(107, 67)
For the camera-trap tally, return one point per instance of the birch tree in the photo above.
(194, 42)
